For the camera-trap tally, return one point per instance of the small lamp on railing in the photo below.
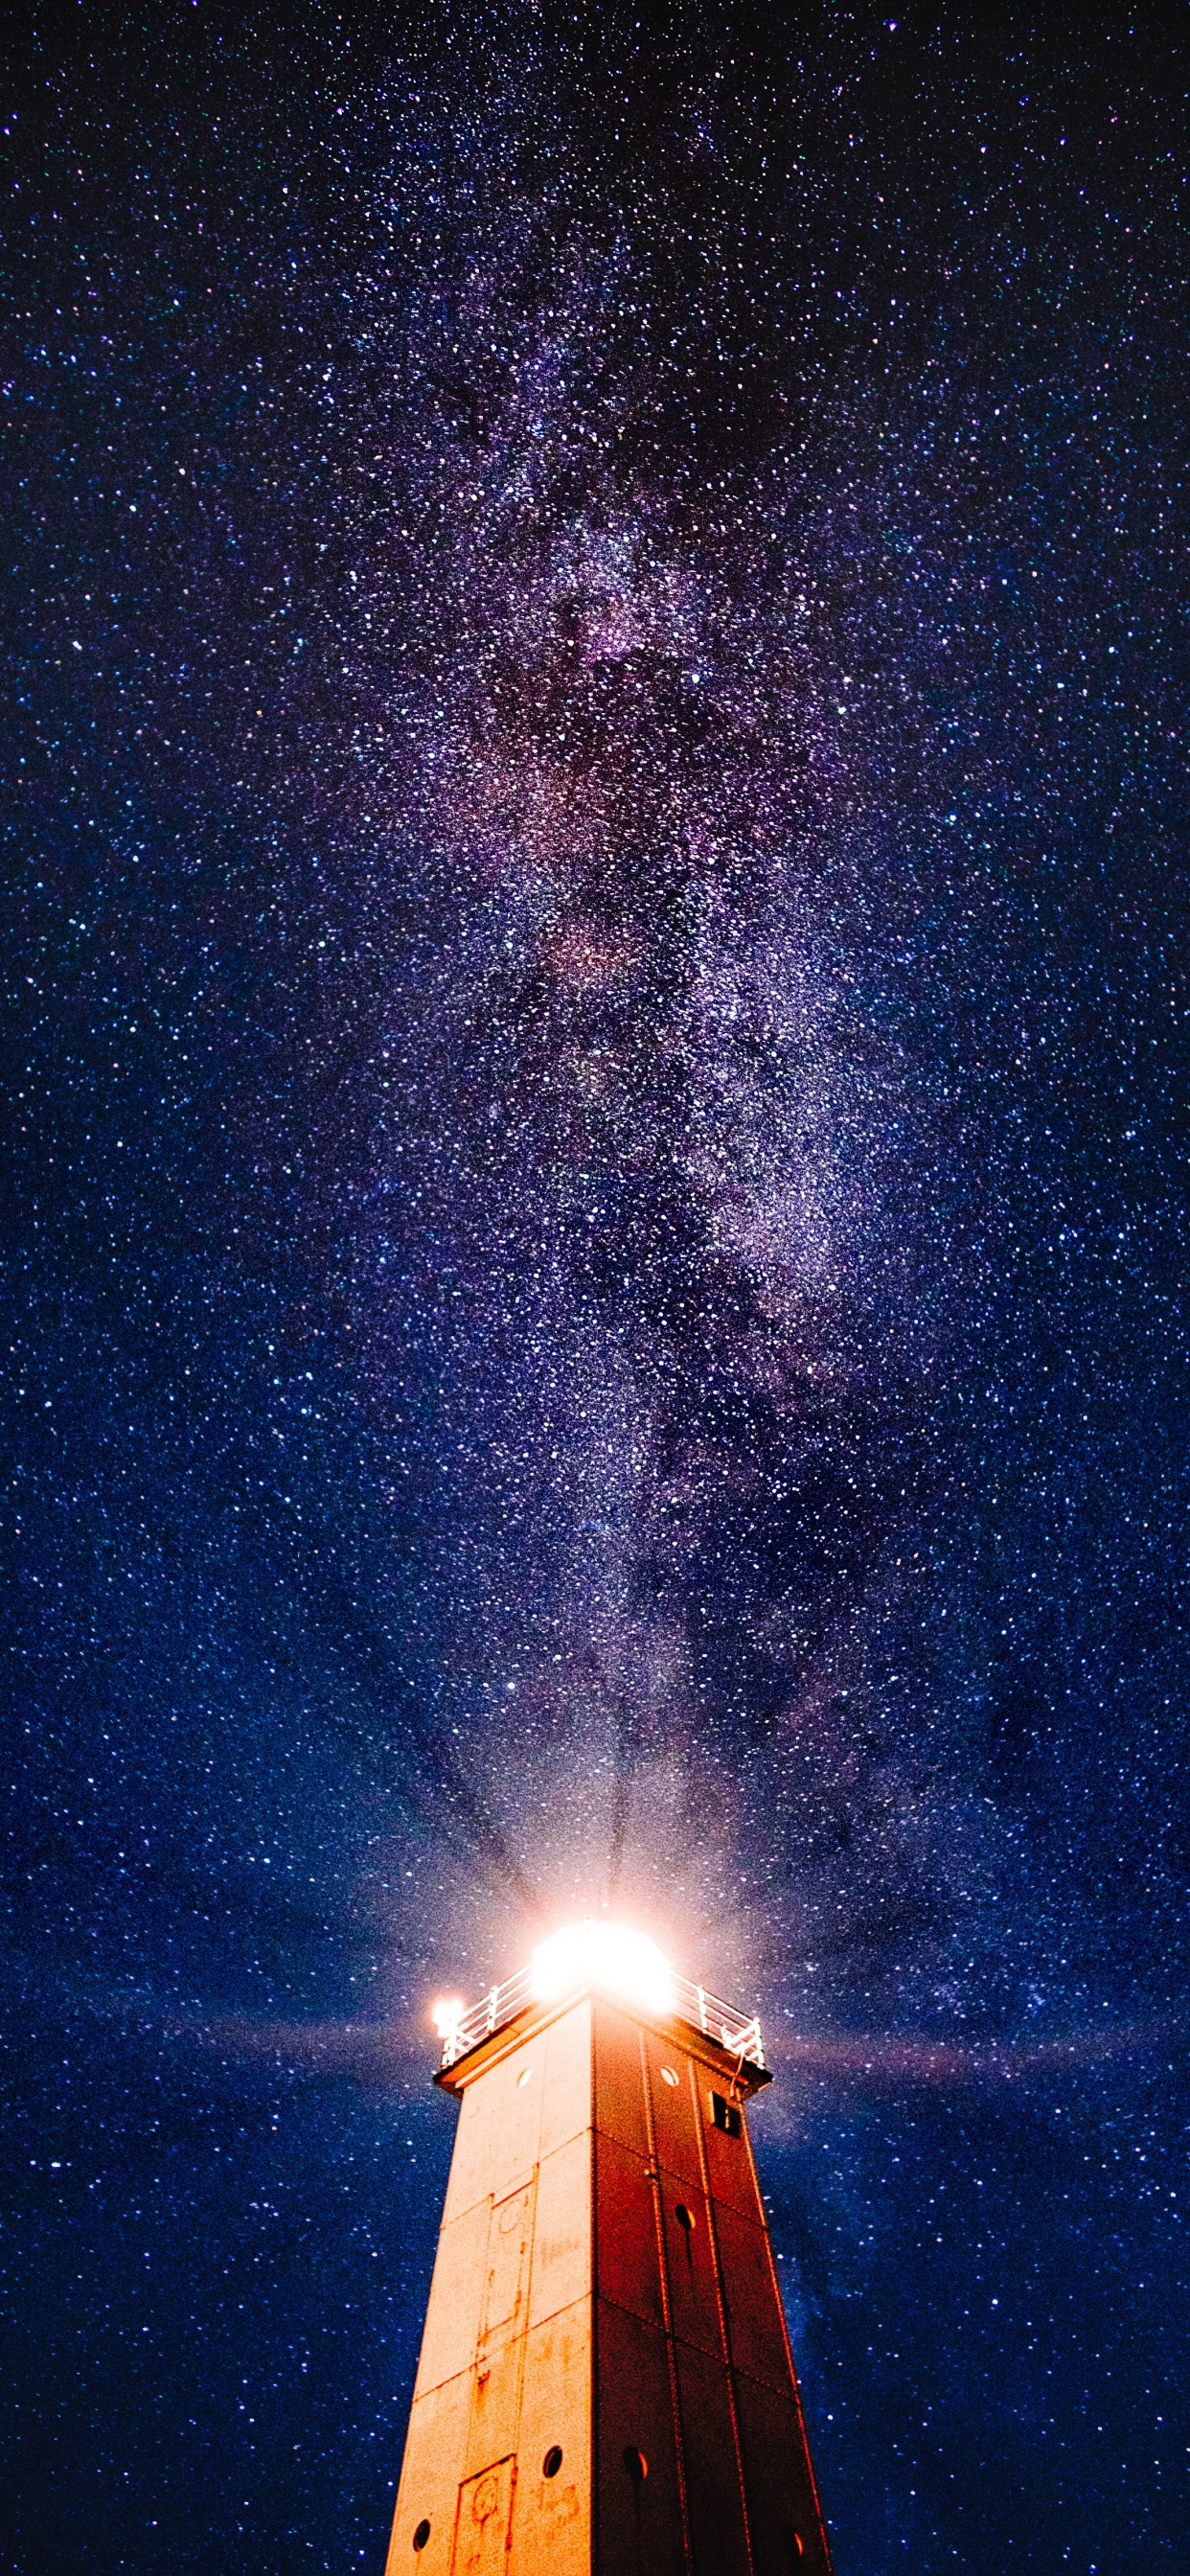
(447, 2017)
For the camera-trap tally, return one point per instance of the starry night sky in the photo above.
(595, 629)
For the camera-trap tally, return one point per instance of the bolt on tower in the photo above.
(605, 2385)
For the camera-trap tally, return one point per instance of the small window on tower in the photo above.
(727, 2116)
(421, 2535)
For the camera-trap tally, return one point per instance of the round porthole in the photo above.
(668, 2076)
(685, 2217)
(525, 2073)
(795, 2546)
(636, 2465)
(552, 2461)
(421, 2535)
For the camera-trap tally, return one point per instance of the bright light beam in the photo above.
(607, 1955)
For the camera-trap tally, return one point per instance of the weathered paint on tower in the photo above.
(605, 2385)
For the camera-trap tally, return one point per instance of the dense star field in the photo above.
(596, 826)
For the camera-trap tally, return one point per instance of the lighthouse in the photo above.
(605, 2385)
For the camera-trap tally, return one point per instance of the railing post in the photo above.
(492, 2002)
(702, 2010)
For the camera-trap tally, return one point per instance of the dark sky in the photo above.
(596, 820)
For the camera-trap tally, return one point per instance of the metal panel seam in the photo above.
(654, 2172)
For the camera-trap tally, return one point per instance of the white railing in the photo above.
(737, 2032)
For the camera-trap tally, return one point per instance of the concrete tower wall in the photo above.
(604, 2291)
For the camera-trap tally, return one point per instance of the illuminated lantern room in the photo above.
(605, 2385)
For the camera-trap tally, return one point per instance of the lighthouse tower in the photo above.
(605, 2385)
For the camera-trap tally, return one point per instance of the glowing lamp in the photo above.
(606, 1955)
(446, 2015)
